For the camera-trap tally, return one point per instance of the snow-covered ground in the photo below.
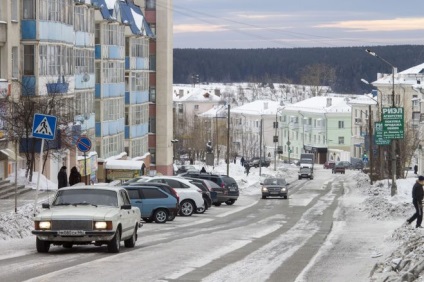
(405, 243)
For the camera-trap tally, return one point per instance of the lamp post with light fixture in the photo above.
(393, 142)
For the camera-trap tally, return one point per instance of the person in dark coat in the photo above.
(415, 169)
(247, 167)
(417, 200)
(203, 170)
(62, 178)
(242, 161)
(74, 176)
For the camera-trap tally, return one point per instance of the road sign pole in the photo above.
(40, 164)
(85, 168)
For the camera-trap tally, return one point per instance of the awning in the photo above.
(123, 164)
(11, 155)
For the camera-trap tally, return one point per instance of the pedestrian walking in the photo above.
(235, 159)
(415, 169)
(417, 200)
(242, 161)
(74, 176)
(62, 178)
(203, 170)
(247, 168)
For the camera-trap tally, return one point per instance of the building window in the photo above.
(57, 11)
(28, 7)
(152, 94)
(29, 59)
(341, 140)
(56, 60)
(84, 103)
(196, 107)
(150, 4)
(341, 124)
(152, 125)
(84, 61)
(15, 62)
(14, 10)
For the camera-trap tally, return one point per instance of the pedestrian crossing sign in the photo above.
(44, 126)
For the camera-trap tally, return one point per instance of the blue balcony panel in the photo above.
(98, 51)
(127, 63)
(28, 85)
(127, 132)
(56, 31)
(85, 81)
(84, 39)
(142, 63)
(28, 29)
(115, 52)
(98, 92)
(127, 98)
(98, 129)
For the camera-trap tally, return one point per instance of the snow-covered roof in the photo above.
(363, 100)
(408, 76)
(216, 111)
(187, 94)
(259, 107)
(123, 164)
(321, 104)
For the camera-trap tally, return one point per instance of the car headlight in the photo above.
(102, 225)
(43, 225)
(284, 189)
(264, 189)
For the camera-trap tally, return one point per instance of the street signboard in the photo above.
(378, 135)
(84, 144)
(44, 126)
(393, 121)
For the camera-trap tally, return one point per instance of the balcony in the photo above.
(3, 33)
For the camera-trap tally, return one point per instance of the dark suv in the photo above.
(264, 162)
(223, 181)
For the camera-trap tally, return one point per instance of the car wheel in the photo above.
(300, 177)
(148, 219)
(217, 204)
(201, 210)
(67, 245)
(186, 208)
(171, 217)
(263, 197)
(285, 197)
(42, 246)
(160, 216)
(230, 202)
(114, 245)
(130, 243)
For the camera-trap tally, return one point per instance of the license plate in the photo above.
(274, 193)
(232, 189)
(71, 232)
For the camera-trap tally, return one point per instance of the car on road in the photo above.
(99, 215)
(255, 161)
(339, 168)
(154, 204)
(306, 172)
(274, 187)
(345, 164)
(191, 199)
(329, 164)
(223, 181)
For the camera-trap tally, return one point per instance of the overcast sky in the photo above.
(302, 23)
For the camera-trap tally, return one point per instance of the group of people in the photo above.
(62, 177)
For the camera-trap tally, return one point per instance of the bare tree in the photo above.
(318, 76)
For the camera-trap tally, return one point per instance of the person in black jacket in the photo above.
(74, 176)
(417, 200)
(62, 178)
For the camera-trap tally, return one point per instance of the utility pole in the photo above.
(228, 141)
(370, 142)
(260, 148)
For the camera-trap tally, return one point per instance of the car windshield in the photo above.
(90, 196)
(306, 161)
(274, 181)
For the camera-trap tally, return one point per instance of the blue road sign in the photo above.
(44, 126)
(84, 144)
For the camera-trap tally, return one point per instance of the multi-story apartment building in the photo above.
(96, 57)
(319, 125)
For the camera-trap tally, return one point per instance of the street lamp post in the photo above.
(276, 137)
(393, 142)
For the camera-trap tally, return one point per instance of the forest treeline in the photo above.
(277, 65)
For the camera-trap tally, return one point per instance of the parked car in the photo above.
(185, 168)
(339, 168)
(255, 161)
(223, 181)
(164, 187)
(306, 172)
(206, 194)
(191, 199)
(274, 187)
(154, 204)
(99, 215)
(359, 165)
(329, 164)
(345, 164)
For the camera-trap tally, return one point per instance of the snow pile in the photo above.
(16, 225)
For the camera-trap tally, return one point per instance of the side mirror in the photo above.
(45, 205)
(126, 207)
(261, 183)
(287, 183)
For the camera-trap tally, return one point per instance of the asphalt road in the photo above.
(253, 240)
